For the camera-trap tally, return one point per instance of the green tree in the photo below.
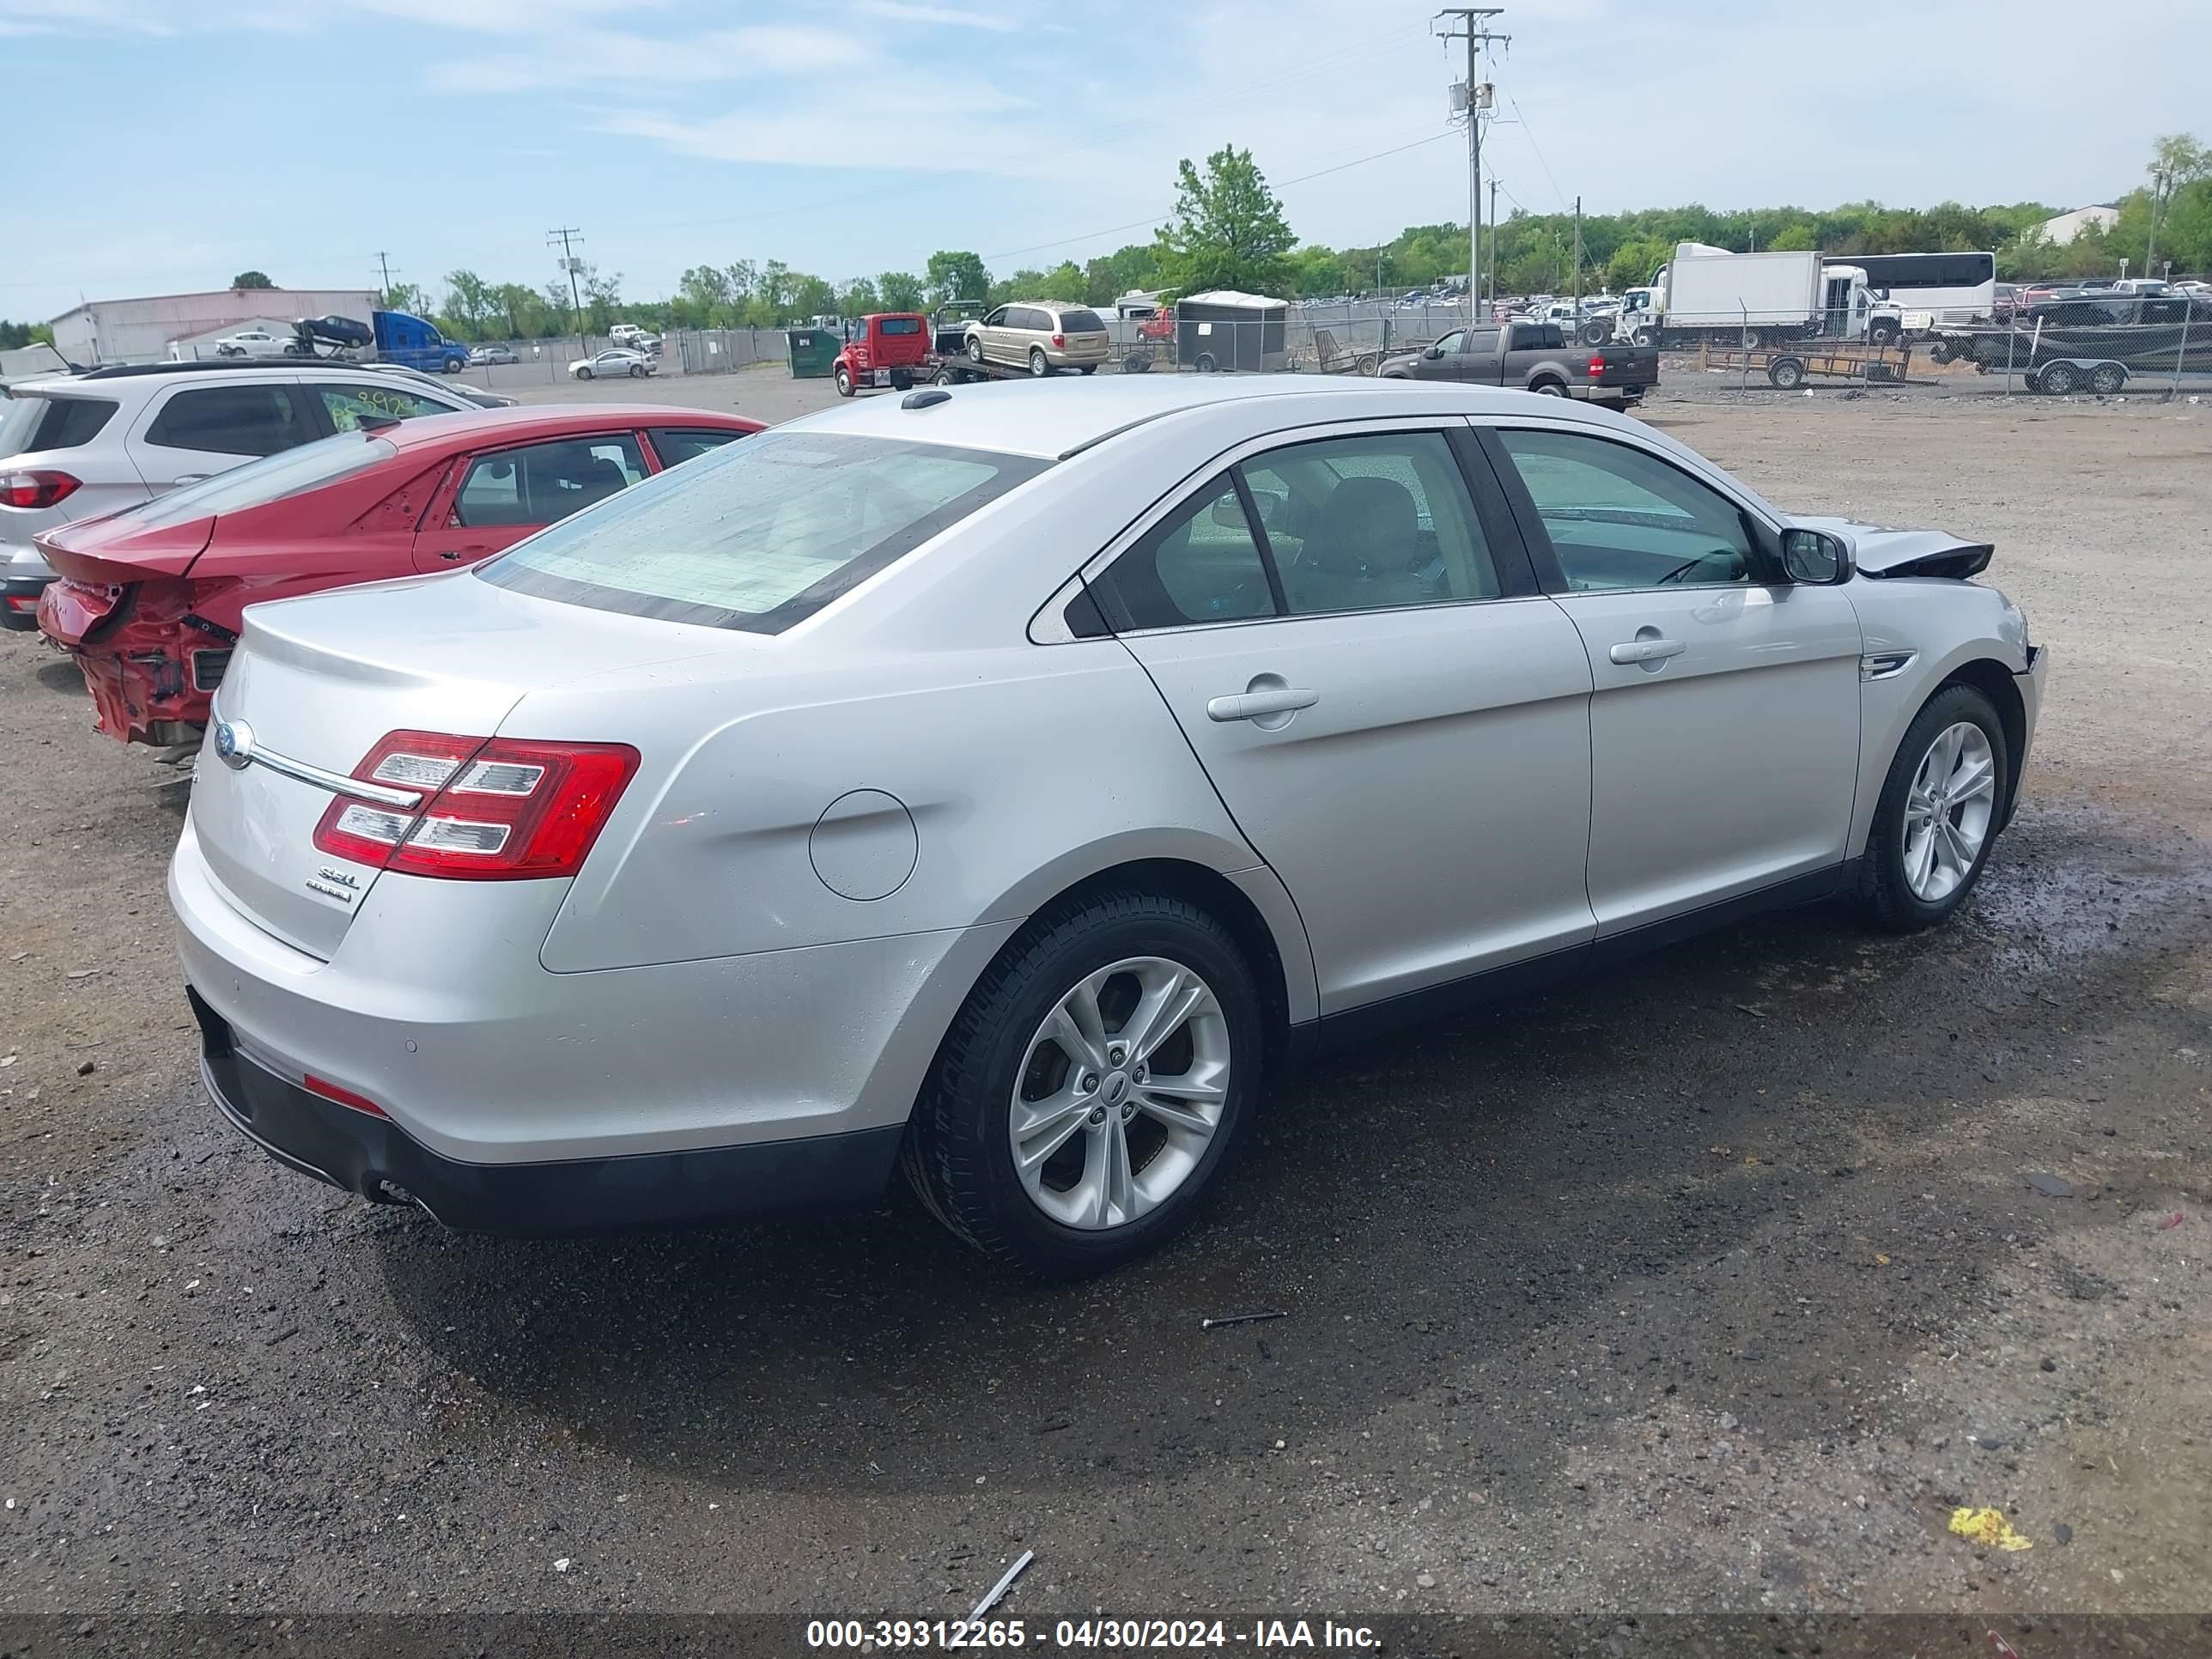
(2176, 160)
(705, 291)
(1798, 236)
(858, 298)
(955, 275)
(901, 290)
(811, 297)
(602, 297)
(471, 302)
(1135, 267)
(1228, 229)
(1064, 280)
(251, 279)
(408, 297)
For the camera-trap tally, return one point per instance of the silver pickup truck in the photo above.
(1535, 357)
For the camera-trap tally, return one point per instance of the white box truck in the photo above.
(1706, 293)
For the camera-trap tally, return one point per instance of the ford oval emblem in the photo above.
(234, 743)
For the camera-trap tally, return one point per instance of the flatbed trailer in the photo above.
(2070, 359)
(964, 370)
(1788, 366)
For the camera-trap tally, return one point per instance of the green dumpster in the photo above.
(813, 353)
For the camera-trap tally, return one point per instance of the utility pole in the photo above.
(384, 263)
(1494, 239)
(1473, 25)
(568, 263)
(1579, 257)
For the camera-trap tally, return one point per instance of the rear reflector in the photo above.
(498, 808)
(315, 1085)
(35, 490)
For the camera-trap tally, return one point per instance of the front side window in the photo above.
(997, 319)
(1200, 564)
(1371, 523)
(1453, 342)
(543, 483)
(763, 534)
(1618, 517)
(253, 419)
(347, 404)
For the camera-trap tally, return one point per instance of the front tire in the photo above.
(2061, 380)
(583, 373)
(1940, 809)
(844, 381)
(974, 348)
(1040, 365)
(1088, 1095)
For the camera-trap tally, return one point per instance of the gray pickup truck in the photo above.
(1536, 357)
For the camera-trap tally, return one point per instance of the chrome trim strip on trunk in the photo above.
(336, 783)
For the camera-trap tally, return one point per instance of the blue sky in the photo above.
(162, 145)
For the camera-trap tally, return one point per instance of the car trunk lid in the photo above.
(95, 586)
(316, 683)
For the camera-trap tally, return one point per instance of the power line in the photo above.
(1531, 133)
(1158, 218)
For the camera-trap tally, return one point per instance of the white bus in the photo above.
(1952, 289)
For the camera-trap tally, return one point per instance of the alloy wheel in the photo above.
(1119, 1092)
(1948, 810)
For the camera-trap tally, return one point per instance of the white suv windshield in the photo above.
(761, 534)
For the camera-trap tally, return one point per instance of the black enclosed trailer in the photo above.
(1225, 330)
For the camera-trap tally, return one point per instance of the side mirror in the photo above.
(1814, 558)
(1434, 351)
(1229, 513)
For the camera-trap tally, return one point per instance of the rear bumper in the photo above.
(373, 1156)
(19, 603)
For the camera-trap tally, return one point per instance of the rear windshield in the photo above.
(1080, 322)
(288, 472)
(29, 425)
(760, 535)
(901, 324)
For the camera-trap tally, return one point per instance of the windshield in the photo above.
(763, 533)
(257, 483)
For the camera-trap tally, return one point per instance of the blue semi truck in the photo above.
(397, 336)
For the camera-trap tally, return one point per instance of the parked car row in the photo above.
(76, 446)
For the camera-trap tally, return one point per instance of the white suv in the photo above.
(76, 445)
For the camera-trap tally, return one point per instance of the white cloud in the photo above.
(586, 57)
(906, 11)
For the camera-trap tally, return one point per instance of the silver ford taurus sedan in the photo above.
(1009, 782)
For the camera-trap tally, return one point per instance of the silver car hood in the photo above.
(1881, 551)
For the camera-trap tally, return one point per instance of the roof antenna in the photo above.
(927, 397)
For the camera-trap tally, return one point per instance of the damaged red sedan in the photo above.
(149, 600)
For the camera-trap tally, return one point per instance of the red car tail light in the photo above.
(315, 1085)
(1060, 341)
(38, 489)
(497, 809)
(1596, 367)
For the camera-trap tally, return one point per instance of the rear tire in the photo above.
(1888, 892)
(960, 1148)
(637, 371)
(1040, 365)
(1548, 389)
(1137, 362)
(1883, 333)
(1088, 369)
(1786, 372)
(2108, 380)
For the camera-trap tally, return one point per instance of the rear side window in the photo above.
(68, 423)
(761, 534)
(1080, 322)
(678, 444)
(257, 419)
(543, 483)
(900, 325)
(1200, 564)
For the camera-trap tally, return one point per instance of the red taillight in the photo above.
(315, 1085)
(1596, 367)
(497, 809)
(35, 490)
(1059, 340)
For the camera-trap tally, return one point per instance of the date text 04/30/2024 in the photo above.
(892, 1635)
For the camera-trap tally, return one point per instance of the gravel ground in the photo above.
(1714, 1285)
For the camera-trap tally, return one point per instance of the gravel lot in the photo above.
(1711, 1286)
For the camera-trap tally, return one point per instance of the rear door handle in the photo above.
(191, 477)
(1647, 651)
(464, 552)
(1258, 705)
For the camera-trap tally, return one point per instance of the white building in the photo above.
(2068, 226)
(197, 347)
(139, 330)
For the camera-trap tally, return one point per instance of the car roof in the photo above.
(1055, 418)
(553, 421)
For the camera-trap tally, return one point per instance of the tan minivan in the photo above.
(1042, 336)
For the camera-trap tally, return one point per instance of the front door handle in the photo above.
(1652, 650)
(1260, 704)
